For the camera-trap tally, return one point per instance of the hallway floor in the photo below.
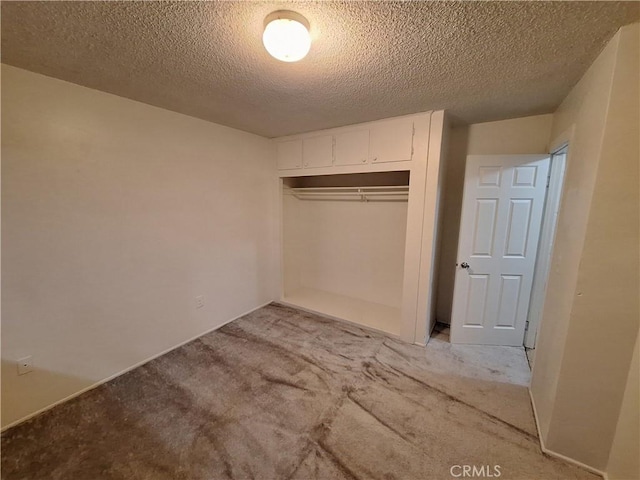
(284, 394)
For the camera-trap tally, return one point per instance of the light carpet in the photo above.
(284, 394)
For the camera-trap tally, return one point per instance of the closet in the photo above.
(359, 211)
(344, 246)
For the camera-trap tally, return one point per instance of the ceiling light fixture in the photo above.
(286, 35)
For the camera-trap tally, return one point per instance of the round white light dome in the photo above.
(286, 36)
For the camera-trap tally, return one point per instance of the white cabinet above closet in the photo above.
(352, 148)
(357, 148)
(392, 141)
(317, 151)
(289, 154)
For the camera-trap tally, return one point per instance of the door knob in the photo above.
(464, 265)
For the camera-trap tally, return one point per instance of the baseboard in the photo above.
(556, 454)
(337, 319)
(128, 369)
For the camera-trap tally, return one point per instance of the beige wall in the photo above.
(585, 108)
(591, 316)
(624, 461)
(348, 248)
(115, 216)
(528, 135)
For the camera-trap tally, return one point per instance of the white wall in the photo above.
(624, 460)
(528, 135)
(115, 215)
(591, 316)
(348, 248)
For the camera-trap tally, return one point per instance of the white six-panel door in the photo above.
(501, 215)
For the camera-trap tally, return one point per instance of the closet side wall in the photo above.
(432, 226)
(292, 244)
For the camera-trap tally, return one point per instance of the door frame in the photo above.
(553, 200)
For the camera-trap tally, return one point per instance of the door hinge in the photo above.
(548, 180)
(526, 325)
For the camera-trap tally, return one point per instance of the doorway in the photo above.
(503, 203)
(509, 217)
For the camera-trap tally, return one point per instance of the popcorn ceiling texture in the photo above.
(482, 61)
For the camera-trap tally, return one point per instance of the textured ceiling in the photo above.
(369, 60)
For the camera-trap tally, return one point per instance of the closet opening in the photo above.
(344, 246)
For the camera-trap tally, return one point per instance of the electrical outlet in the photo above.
(200, 301)
(25, 365)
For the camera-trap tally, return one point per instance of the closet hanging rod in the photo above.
(400, 188)
(380, 193)
(354, 194)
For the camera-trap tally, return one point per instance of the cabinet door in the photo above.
(352, 148)
(289, 154)
(318, 151)
(392, 141)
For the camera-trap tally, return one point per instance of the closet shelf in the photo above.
(397, 193)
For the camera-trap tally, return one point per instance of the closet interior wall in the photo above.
(344, 254)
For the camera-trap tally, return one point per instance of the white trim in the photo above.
(415, 253)
(556, 454)
(128, 369)
(431, 234)
(544, 257)
(562, 140)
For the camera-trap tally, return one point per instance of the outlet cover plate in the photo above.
(25, 365)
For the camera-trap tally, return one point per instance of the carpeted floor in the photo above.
(283, 394)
